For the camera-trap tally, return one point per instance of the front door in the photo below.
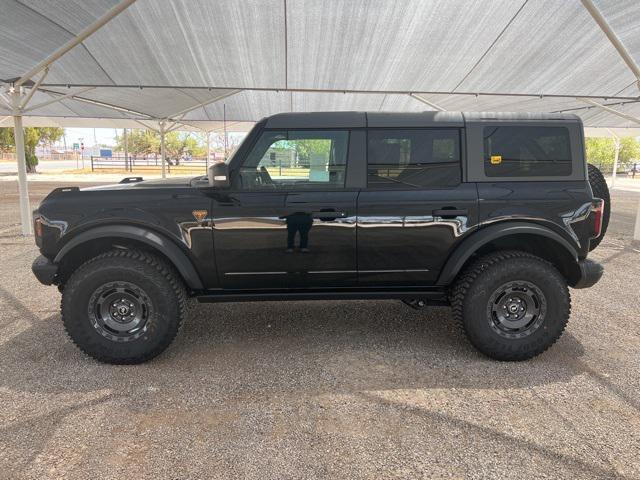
(415, 208)
(288, 221)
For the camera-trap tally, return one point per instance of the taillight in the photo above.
(597, 207)
(37, 227)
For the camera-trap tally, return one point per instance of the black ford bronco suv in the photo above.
(493, 214)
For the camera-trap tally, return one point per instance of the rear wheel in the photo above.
(123, 307)
(512, 305)
(600, 190)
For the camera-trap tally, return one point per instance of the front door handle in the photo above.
(450, 212)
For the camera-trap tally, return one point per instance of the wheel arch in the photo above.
(97, 240)
(529, 237)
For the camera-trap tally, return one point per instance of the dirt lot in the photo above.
(321, 389)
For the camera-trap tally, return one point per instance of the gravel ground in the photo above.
(321, 389)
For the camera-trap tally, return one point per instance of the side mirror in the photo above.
(219, 175)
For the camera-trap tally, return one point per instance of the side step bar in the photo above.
(431, 297)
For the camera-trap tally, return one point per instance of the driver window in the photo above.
(295, 159)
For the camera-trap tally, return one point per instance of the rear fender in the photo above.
(486, 235)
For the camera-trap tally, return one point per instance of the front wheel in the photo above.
(512, 305)
(123, 306)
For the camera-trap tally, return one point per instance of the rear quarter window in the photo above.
(527, 151)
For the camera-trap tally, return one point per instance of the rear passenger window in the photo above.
(526, 152)
(413, 158)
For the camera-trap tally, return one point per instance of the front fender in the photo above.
(169, 249)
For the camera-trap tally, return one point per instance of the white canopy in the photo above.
(239, 60)
(202, 63)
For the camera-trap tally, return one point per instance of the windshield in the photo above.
(232, 154)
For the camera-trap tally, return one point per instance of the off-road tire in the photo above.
(162, 286)
(600, 190)
(471, 300)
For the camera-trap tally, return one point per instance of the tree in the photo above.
(178, 144)
(140, 142)
(629, 150)
(6, 139)
(50, 135)
(33, 136)
(602, 151)
(147, 142)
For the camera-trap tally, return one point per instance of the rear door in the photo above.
(289, 219)
(415, 208)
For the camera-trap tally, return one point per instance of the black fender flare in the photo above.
(484, 235)
(164, 245)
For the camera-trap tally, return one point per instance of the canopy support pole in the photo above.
(6, 102)
(91, 102)
(175, 126)
(163, 155)
(23, 189)
(57, 99)
(78, 39)
(147, 127)
(613, 111)
(427, 102)
(208, 133)
(616, 142)
(602, 97)
(636, 230)
(203, 104)
(613, 38)
(34, 88)
(126, 147)
(224, 120)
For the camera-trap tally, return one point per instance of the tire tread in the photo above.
(173, 279)
(470, 275)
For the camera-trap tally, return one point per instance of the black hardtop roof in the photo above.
(403, 119)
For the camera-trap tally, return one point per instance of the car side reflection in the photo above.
(298, 223)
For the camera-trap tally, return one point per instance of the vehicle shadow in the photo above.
(277, 347)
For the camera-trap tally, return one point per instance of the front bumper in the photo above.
(44, 270)
(590, 273)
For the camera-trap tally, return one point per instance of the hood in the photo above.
(129, 183)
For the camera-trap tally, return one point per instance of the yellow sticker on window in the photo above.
(496, 159)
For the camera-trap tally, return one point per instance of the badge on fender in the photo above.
(199, 215)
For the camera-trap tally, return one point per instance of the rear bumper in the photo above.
(590, 273)
(44, 270)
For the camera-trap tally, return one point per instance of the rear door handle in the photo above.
(450, 212)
